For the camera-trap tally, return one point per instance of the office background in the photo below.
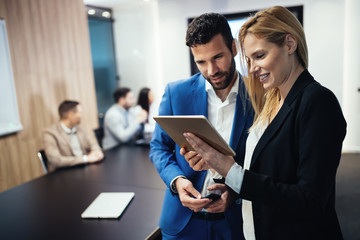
(51, 58)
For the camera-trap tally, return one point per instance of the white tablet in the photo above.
(199, 125)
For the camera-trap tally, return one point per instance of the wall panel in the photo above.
(50, 52)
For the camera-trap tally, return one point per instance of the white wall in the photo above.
(351, 76)
(151, 50)
(137, 45)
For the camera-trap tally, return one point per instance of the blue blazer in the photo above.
(189, 97)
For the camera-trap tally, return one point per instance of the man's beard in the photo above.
(229, 75)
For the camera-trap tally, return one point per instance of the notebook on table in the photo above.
(108, 205)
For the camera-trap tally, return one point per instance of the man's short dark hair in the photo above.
(203, 28)
(67, 106)
(120, 93)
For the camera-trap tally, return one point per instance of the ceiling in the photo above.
(109, 3)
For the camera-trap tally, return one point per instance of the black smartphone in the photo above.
(213, 196)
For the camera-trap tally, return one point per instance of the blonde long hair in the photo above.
(272, 24)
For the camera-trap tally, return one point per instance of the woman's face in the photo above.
(150, 97)
(268, 62)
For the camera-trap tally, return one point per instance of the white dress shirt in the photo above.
(74, 140)
(221, 116)
(120, 126)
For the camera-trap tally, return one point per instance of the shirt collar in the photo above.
(68, 130)
(233, 90)
(123, 110)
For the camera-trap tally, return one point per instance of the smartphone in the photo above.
(213, 196)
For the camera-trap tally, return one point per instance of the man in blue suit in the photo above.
(217, 92)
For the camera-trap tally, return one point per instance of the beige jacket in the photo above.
(57, 146)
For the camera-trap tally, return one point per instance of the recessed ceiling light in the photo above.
(106, 14)
(91, 11)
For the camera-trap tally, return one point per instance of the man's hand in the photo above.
(213, 158)
(189, 196)
(95, 156)
(228, 196)
(194, 159)
(142, 116)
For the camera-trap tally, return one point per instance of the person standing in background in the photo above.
(66, 143)
(122, 123)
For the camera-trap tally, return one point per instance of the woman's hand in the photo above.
(228, 196)
(211, 157)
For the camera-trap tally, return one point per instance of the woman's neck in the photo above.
(286, 87)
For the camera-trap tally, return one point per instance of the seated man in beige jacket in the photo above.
(66, 143)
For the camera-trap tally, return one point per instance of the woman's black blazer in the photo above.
(291, 180)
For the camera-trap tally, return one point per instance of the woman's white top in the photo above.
(235, 177)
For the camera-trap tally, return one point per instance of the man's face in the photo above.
(75, 116)
(215, 62)
(129, 100)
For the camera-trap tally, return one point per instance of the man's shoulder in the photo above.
(53, 131)
(196, 80)
(53, 128)
(112, 110)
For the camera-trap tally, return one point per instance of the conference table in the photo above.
(50, 206)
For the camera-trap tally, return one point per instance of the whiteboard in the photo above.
(9, 113)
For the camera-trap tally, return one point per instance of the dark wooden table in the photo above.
(50, 207)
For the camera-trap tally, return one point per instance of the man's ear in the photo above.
(121, 101)
(69, 115)
(291, 43)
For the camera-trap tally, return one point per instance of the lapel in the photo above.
(303, 80)
(239, 116)
(64, 136)
(82, 139)
(200, 107)
(199, 96)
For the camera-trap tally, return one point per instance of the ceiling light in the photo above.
(91, 11)
(106, 14)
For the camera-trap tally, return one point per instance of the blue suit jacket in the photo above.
(188, 97)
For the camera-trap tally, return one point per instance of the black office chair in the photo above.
(99, 134)
(155, 235)
(43, 159)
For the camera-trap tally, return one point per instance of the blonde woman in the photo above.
(287, 182)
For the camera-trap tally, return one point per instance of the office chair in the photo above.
(155, 235)
(43, 159)
(99, 134)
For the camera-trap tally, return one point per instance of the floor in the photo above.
(348, 196)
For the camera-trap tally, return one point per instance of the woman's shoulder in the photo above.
(316, 90)
(315, 96)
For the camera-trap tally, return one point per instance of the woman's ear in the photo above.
(291, 43)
